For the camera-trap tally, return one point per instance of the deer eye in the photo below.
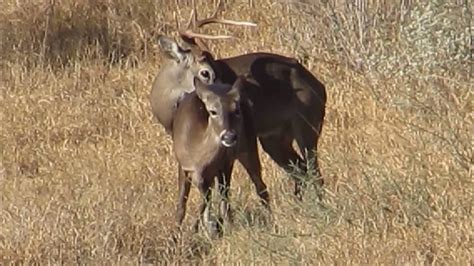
(205, 74)
(212, 112)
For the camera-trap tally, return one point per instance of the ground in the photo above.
(88, 176)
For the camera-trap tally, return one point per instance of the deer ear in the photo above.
(237, 88)
(238, 83)
(171, 48)
(201, 89)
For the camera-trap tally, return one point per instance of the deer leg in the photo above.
(224, 180)
(251, 162)
(279, 147)
(204, 208)
(307, 137)
(184, 185)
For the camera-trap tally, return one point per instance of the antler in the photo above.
(198, 37)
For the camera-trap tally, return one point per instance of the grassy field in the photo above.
(87, 176)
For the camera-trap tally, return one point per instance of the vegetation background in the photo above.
(88, 177)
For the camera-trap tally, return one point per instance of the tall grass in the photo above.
(88, 177)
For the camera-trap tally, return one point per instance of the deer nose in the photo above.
(228, 138)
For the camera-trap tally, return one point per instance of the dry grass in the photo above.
(88, 177)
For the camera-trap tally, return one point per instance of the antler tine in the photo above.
(191, 19)
(191, 34)
(225, 21)
(195, 13)
(198, 37)
(193, 16)
(214, 19)
(176, 20)
(219, 8)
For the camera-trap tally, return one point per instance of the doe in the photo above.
(212, 128)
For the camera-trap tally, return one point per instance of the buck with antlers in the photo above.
(288, 102)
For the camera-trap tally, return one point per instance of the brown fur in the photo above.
(199, 149)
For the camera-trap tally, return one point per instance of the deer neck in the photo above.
(170, 86)
(179, 79)
(210, 139)
(204, 148)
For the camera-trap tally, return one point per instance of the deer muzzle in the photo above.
(228, 138)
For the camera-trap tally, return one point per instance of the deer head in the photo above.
(194, 55)
(222, 103)
(189, 59)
